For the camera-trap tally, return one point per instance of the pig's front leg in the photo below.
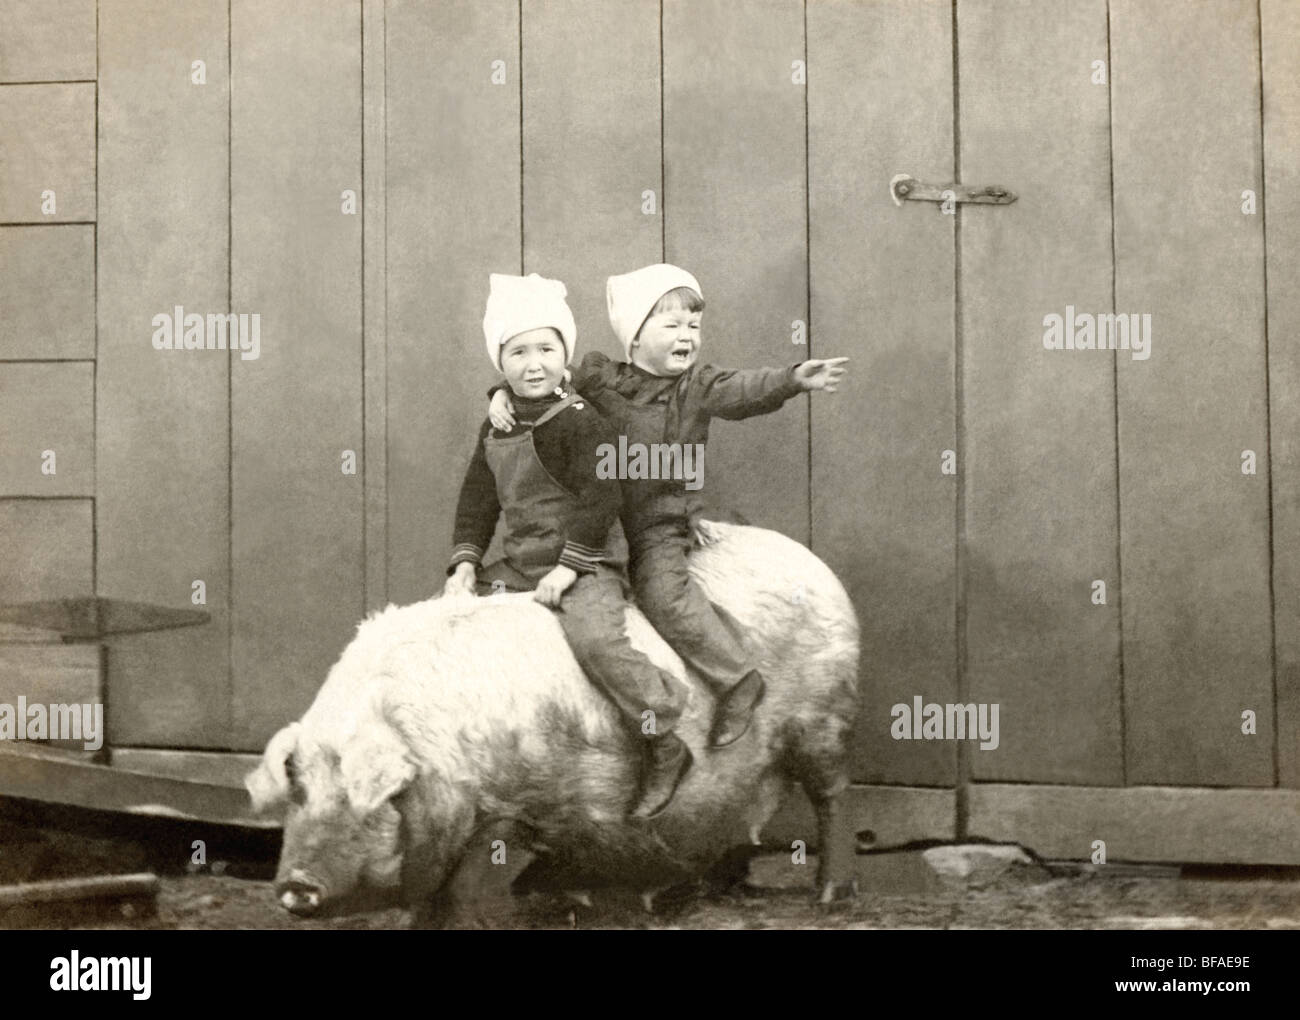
(477, 893)
(432, 843)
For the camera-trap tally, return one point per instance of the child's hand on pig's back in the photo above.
(551, 588)
(461, 581)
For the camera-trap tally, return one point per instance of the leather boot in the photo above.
(668, 759)
(736, 709)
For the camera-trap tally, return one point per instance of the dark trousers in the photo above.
(703, 634)
(591, 613)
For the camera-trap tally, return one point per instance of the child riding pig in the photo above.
(558, 514)
(660, 398)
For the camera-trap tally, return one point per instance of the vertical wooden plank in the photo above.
(735, 215)
(1280, 209)
(47, 419)
(162, 416)
(297, 529)
(375, 327)
(454, 217)
(48, 144)
(1194, 528)
(47, 291)
(591, 148)
(1039, 424)
(882, 292)
(47, 40)
(46, 549)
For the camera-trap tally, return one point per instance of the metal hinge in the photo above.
(906, 188)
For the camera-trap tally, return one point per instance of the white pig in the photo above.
(455, 729)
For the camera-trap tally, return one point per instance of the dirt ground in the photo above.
(223, 902)
(898, 891)
(231, 888)
(1090, 900)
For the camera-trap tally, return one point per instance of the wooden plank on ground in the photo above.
(1141, 823)
(163, 415)
(1039, 472)
(62, 890)
(103, 788)
(591, 149)
(882, 293)
(220, 768)
(1279, 206)
(47, 291)
(47, 40)
(453, 218)
(1194, 527)
(296, 503)
(48, 145)
(47, 419)
(735, 216)
(46, 546)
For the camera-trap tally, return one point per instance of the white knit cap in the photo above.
(632, 296)
(517, 304)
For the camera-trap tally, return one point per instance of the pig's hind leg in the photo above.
(817, 759)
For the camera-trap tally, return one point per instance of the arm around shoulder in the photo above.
(594, 373)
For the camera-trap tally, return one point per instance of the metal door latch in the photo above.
(906, 188)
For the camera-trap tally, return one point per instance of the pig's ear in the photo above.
(375, 765)
(268, 784)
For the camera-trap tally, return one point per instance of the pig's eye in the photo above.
(296, 791)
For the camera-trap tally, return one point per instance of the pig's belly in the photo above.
(724, 803)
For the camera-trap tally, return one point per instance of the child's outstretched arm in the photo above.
(477, 511)
(746, 392)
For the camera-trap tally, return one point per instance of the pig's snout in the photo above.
(299, 893)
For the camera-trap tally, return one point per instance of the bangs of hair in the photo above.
(679, 297)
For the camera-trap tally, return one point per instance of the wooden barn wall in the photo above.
(162, 517)
(1280, 63)
(883, 515)
(590, 151)
(581, 139)
(735, 215)
(453, 210)
(1194, 529)
(1038, 426)
(296, 411)
(47, 302)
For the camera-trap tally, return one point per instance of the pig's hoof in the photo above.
(837, 893)
(581, 897)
